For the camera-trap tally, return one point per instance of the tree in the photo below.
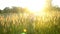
(6, 10)
(0, 11)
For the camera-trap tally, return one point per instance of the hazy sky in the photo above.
(23, 3)
(56, 2)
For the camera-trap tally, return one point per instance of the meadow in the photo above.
(25, 23)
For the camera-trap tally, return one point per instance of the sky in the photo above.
(56, 3)
(25, 3)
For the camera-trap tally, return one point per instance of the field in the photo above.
(24, 23)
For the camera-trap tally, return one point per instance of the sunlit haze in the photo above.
(33, 5)
(56, 3)
(29, 16)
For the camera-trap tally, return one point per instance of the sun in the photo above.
(36, 6)
(32, 5)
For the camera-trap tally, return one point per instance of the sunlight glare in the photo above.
(41, 13)
(56, 3)
(37, 6)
